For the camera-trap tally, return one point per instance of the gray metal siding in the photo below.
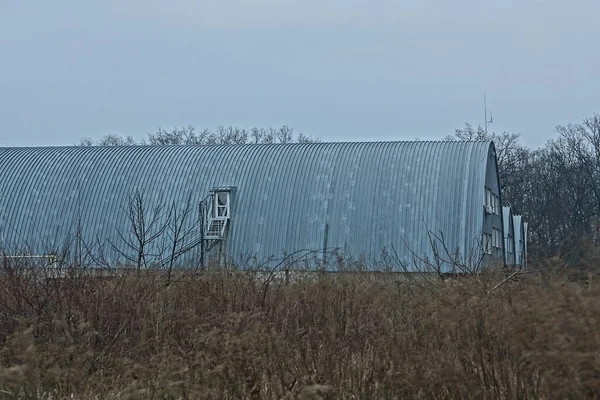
(509, 235)
(373, 195)
(519, 239)
(494, 220)
(525, 241)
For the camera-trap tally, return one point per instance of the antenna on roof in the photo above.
(485, 118)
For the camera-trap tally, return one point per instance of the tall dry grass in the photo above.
(349, 336)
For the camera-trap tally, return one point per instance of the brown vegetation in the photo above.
(246, 335)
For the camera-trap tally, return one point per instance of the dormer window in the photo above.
(222, 203)
(219, 213)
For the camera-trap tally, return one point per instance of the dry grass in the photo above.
(336, 336)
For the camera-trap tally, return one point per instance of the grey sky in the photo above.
(338, 70)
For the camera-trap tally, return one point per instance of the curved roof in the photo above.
(372, 195)
(507, 221)
(509, 235)
(519, 238)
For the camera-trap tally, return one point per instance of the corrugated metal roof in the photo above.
(509, 235)
(525, 242)
(373, 195)
(519, 239)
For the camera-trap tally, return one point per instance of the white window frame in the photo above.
(496, 238)
(487, 243)
(492, 201)
(221, 211)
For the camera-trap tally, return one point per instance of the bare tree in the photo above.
(187, 135)
(86, 141)
(180, 233)
(580, 143)
(177, 136)
(270, 136)
(512, 159)
(302, 138)
(112, 139)
(146, 224)
(231, 135)
(285, 134)
(257, 135)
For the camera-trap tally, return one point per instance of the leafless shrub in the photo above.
(146, 224)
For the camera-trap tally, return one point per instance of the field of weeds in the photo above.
(334, 336)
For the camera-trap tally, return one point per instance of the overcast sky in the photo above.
(333, 69)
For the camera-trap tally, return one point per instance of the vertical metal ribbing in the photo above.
(433, 182)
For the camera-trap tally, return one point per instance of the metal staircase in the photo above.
(214, 218)
(216, 209)
(214, 215)
(216, 229)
